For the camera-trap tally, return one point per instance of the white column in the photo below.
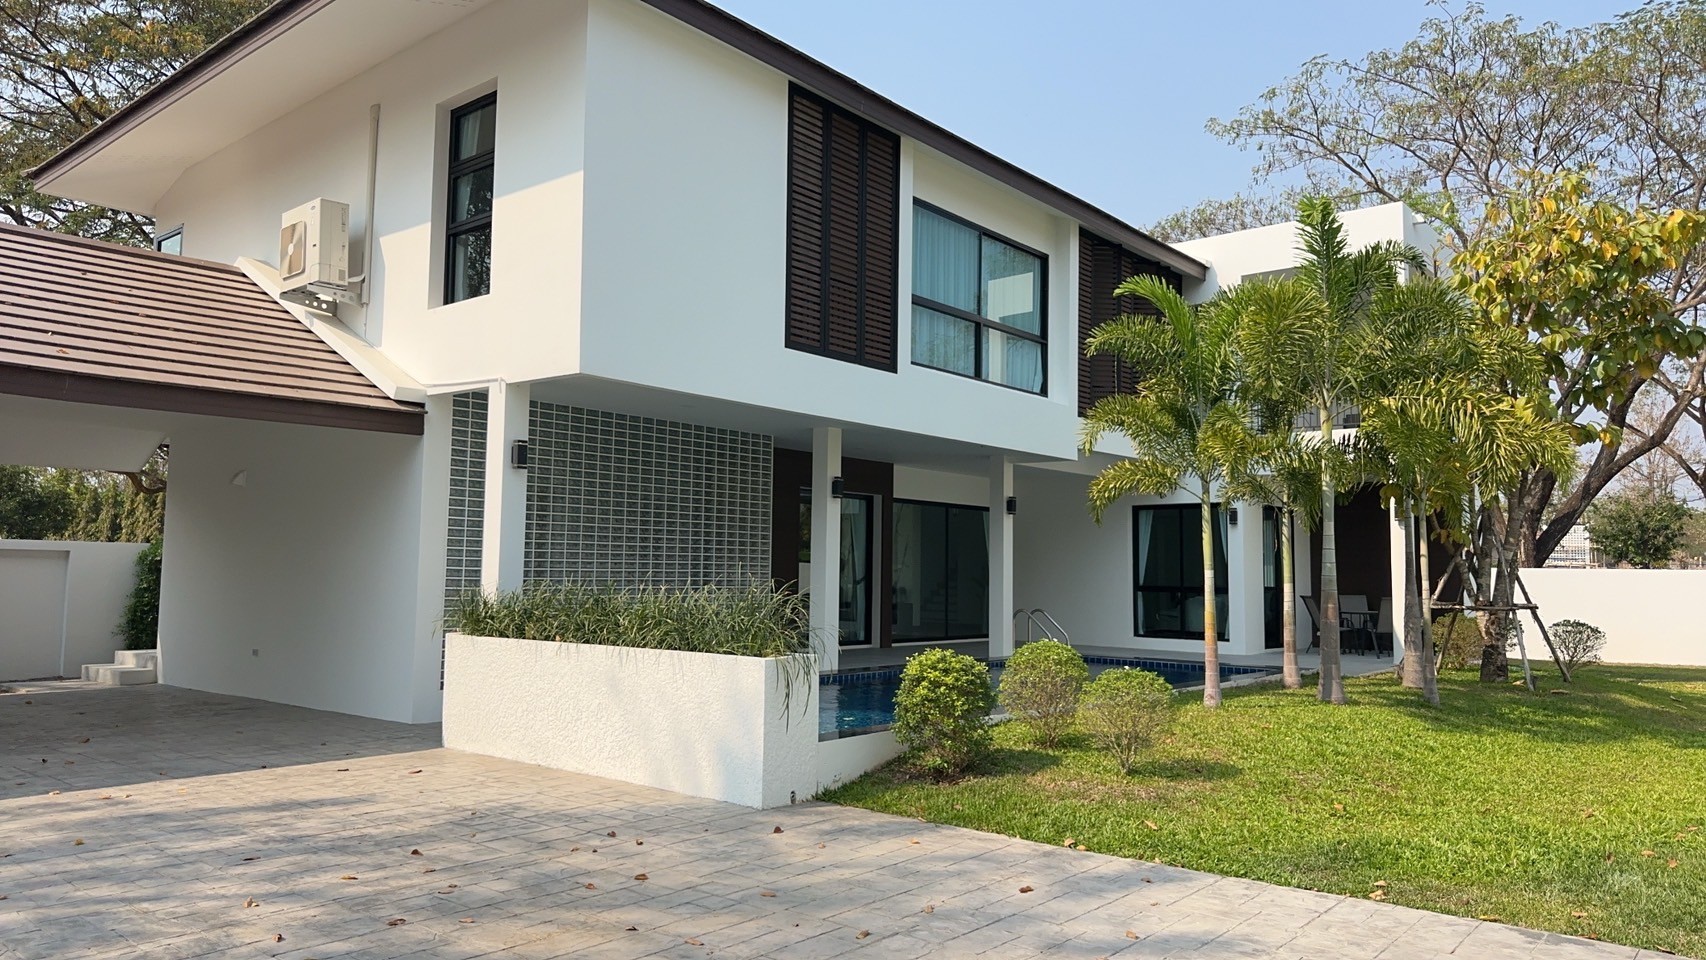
(824, 581)
(1247, 616)
(1000, 559)
(1398, 585)
(505, 531)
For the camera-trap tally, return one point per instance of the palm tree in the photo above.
(1316, 344)
(1180, 422)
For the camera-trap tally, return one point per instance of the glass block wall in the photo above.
(636, 501)
(462, 544)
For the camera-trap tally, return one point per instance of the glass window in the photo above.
(468, 215)
(1167, 595)
(977, 303)
(940, 578)
(172, 242)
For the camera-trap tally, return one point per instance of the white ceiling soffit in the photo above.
(334, 43)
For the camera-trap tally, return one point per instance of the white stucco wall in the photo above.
(702, 724)
(61, 603)
(1233, 256)
(301, 583)
(686, 160)
(1649, 616)
(532, 54)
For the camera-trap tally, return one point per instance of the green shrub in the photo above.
(140, 628)
(757, 621)
(941, 712)
(1040, 685)
(1126, 711)
(1457, 640)
(1577, 643)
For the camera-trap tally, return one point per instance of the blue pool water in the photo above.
(859, 701)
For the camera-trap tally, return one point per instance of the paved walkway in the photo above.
(156, 822)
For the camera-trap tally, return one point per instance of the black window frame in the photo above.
(1188, 586)
(161, 239)
(455, 168)
(1040, 338)
(889, 607)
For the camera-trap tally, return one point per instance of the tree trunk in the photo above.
(1425, 604)
(1289, 675)
(1415, 666)
(1332, 688)
(1210, 615)
(1495, 664)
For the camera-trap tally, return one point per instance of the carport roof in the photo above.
(92, 322)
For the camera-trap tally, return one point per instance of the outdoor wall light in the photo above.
(1232, 516)
(837, 488)
(518, 454)
(1012, 505)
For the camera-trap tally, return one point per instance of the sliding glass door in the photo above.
(941, 572)
(1167, 589)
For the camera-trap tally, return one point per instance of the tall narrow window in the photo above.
(468, 214)
(843, 234)
(977, 302)
(940, 587)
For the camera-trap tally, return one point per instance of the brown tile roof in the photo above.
(95, 322)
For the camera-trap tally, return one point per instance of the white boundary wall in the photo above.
(1649, 616)
(60, 604)
(702, 724)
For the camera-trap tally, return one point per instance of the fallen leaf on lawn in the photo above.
(1490, 917)
(1587, 814)
(777, 830)
(861, 934)
(1610, 857)
(1339, 807)
(278, 938)
(466, 920)
(1671, 864)
(1069, 842)
(415, 852)
(767, 893)
(693, 942)
(641, 876)
(1026, 889)
(1377, 895)
(399, 921)
(251, 902)
(590, 886)
(1648, 853)
(1151, 824)
(349, 876)
(1380, 883)
(1578, 914)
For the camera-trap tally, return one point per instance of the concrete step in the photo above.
(119, 675)
(137, 658)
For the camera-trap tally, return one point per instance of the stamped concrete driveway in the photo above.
(160, 823)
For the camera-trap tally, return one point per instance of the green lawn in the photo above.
(1581, 810)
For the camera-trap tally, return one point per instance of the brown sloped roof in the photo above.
(94, 322)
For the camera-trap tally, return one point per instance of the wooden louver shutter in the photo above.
(843, 234)
(1103, 266)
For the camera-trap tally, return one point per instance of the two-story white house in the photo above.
(638, 294)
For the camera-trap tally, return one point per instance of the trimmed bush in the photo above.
(140, 628)
(758, 621)
(1457, 640)
(941, 712)
(1040, 685)
(1577, 643)
(1126, 711)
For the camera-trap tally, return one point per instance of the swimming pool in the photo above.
(862, 701)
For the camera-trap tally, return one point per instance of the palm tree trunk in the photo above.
(1332, 689)
(1289, 674)
(1210, 615)
(1415, 665)
(1425, 604)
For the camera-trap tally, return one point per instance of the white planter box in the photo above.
(702, 724)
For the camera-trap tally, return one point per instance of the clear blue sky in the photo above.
(1012, 76)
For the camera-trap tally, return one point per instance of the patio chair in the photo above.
(1383, 628)
(1315, 621)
